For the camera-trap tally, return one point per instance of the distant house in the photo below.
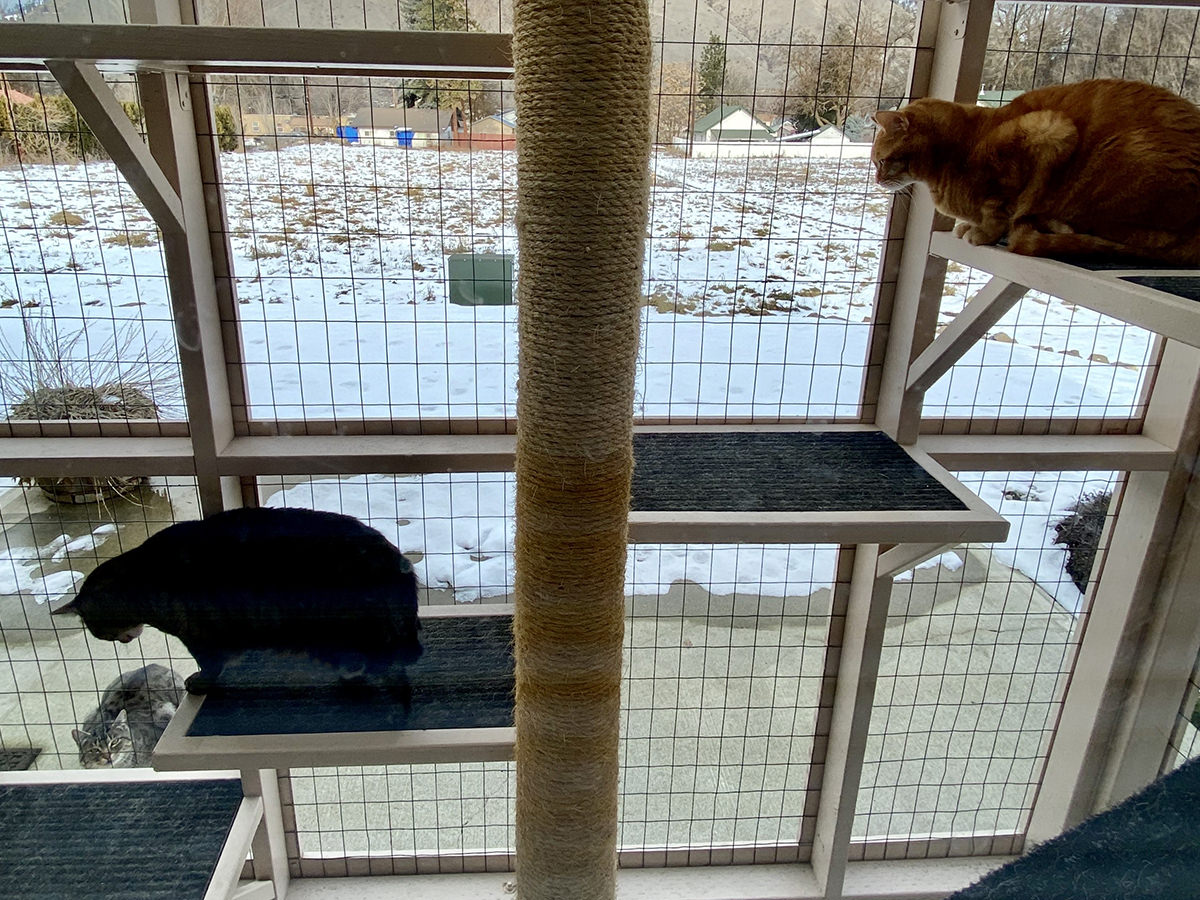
(407, 126)
(18, 98)
(826, 134)
(264, 125)
(498, 132)
(730, 123)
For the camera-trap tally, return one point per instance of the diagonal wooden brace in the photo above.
(985, 309)
(103, 113)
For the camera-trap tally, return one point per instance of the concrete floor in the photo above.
(720, 709)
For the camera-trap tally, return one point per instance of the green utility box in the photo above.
(480, 279)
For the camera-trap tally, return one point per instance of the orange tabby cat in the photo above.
(1104, 167)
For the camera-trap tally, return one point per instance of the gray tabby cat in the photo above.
(131, 718)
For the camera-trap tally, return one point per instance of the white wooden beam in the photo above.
(222, 48)
(104, 115)
(366, 454)
(1047, 453)
(904, 556)
(986, 308)
(1096, 757)
(235, 850)
(270, 851)
(1101, 291)
(854, 697)
(954, 73)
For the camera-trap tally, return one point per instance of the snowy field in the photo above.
(760, 280)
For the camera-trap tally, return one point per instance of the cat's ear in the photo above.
(71, 607)
(79, 736)
(891, 120)
(121, 721)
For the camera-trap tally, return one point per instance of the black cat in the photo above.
(291, 580)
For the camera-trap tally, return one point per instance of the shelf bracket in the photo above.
(986, 308)
(95, 101)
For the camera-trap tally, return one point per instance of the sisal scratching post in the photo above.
(582, 92)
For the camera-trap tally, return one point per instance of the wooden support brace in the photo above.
(103, 113)
(233, 856)
(985, 309)
(904, 556)
(866, 617)
(270, 853)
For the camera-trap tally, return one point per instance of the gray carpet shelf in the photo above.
(828, 484)
(1153, 296)
(67, 841)
(280, 712)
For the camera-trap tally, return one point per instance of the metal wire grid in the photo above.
(341, 252)
(976, 657)
(85, 320)
(52, 672)
(725, 661)
(1046, 358)
(389, 15)
(1185, 738)
(446, 817)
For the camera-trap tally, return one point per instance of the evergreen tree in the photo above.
(440, 15)
(437, 15)
(711, 74)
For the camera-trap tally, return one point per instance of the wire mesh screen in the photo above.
(1046, 358)
(978, 648)
(374, 262)
(725, 659)
(85, 319)
(54, 675)
(404, 819)
(724, 664)
(390, 15)
(1185, 738)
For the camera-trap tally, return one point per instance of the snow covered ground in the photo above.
(760, 281)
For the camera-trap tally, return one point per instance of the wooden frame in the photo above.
(291, 51)
(1102, 291)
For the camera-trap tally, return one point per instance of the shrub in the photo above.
(227, 138)
(1080, 532)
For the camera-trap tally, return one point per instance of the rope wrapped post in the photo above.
(583, 99)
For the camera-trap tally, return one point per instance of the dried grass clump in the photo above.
(45, 380)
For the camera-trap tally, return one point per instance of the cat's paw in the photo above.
(199, 683)
(977, 236)
(961, 228)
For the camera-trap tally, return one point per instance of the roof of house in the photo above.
(720, 114)
(418, 119)
(18, 97)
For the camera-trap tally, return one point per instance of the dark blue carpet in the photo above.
(120, 841)
(1147, 848)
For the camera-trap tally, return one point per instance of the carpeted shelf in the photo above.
(464, 679)
(1147, 848)
(117, 841)
(778, 471)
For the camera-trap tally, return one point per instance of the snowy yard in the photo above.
(760, 283)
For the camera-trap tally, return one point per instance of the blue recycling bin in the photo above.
(404, 137)
(349, 133)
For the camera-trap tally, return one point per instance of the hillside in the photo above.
(680, 27)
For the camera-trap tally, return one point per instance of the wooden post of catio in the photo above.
(583, 103)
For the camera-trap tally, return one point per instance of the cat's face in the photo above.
(899, 145)
(104, 746)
